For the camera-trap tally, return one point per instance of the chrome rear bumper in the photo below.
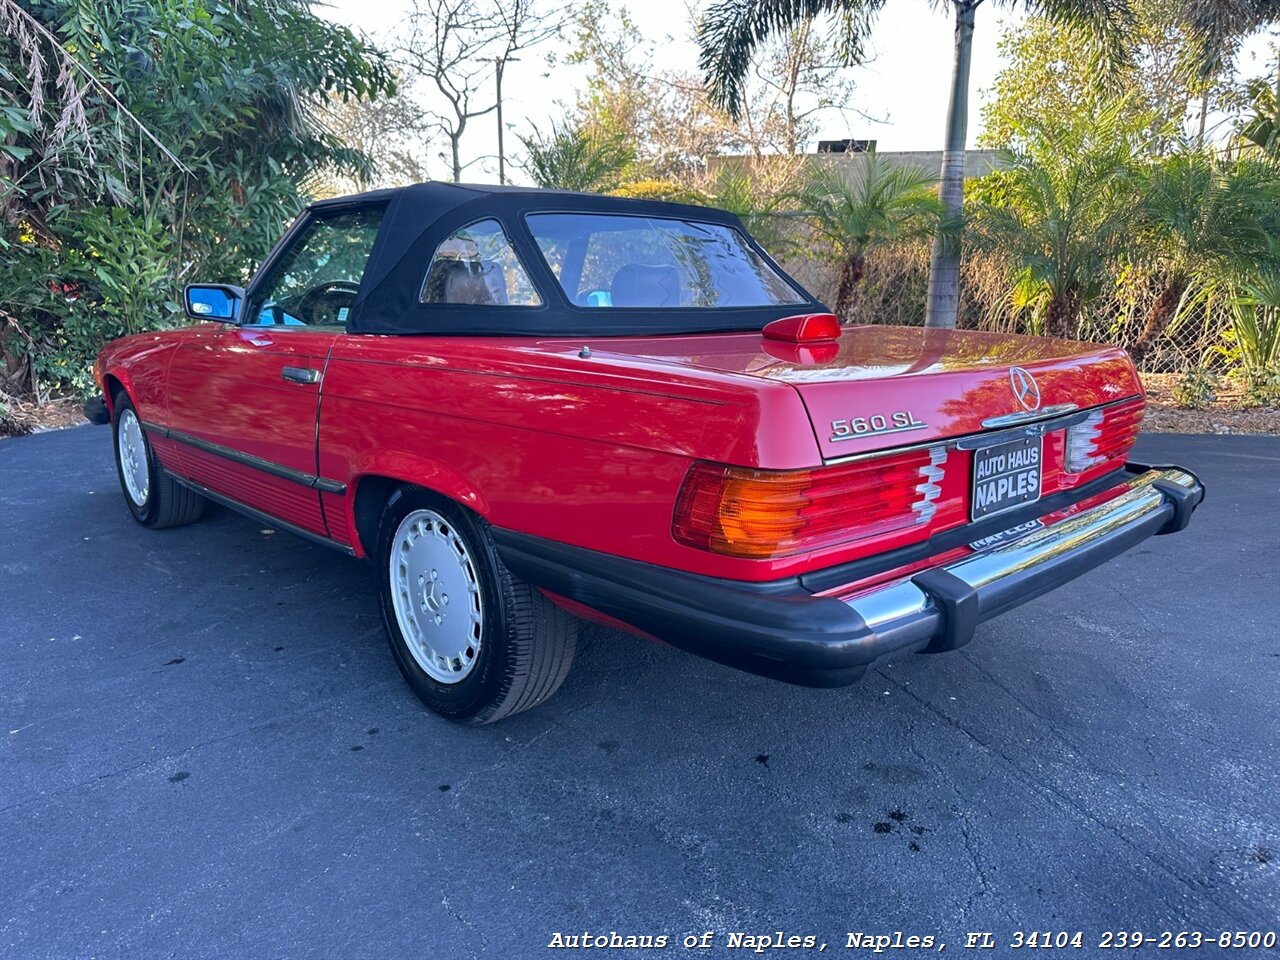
(941, 607)
(783, 630)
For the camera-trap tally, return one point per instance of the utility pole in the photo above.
(499, 63)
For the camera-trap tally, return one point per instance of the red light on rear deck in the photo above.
(804, 328)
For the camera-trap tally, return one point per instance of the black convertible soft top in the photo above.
(417, 218)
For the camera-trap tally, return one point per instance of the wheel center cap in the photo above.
(434, 597)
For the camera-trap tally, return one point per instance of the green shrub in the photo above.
(1262, 387)
(1198, 389)
(108, 212)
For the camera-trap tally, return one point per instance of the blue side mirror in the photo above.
(213, 301)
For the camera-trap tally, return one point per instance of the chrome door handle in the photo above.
(300, 375)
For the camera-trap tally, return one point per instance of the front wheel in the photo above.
(475, 643)
(155, 499)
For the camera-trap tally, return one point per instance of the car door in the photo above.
(243, 398)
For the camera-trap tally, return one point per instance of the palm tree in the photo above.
(734, 28)
(1062, 214)
(576, 157)
(874, 205)
(1208, 221)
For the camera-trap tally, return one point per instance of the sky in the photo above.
(903, 88)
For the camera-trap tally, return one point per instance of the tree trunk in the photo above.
(851, 271)
(1158, 317)
(944, 264)
(1063, 315)
(454, 141)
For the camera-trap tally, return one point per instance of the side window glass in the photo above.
(315, 283)
(477, 265)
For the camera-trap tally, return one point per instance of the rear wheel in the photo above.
(155, 499)
(473, 642)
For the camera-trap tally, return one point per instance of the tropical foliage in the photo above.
(858, 212)
(147, 141)
(1262, 130)
(575, 156)
(1205, 219)
(1060, 214)
(1254, 340)
(733, 31)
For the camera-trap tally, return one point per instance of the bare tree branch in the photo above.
(458, 46)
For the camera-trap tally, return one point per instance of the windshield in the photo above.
(617, 260)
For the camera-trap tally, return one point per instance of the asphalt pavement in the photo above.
(207, 751)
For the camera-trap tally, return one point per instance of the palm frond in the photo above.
(1204, 214)
(869, 202)
(1109, 24)
(732, 30)
(1065, 209)
(29, 32)
(574, 157)
(1218, 24)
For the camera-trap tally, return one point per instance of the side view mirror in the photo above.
(213, 301)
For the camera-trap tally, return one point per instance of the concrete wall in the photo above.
(977, 163)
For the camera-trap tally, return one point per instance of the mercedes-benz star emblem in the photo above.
(1025, 389)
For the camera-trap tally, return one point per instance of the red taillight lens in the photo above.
(764, 514)
(804, 328)
(1104, 437)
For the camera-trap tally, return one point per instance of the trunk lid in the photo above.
(879, 387)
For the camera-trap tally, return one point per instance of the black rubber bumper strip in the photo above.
(782, 630)
(777, 629)
(1185, 501)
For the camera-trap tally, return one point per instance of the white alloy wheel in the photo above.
(435, 593)
(134, 466)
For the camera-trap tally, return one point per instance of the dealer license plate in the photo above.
(1005, 476)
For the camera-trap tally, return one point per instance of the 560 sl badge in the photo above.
(900, 421)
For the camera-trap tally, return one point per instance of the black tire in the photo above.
(526, 644)
(167, 503)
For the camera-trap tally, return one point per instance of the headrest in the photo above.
(458, 281)
(641, 285)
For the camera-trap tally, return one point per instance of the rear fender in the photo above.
(380, 475)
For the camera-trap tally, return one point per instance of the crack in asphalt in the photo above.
(448, 908)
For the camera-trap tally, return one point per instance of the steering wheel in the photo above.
(322, 302)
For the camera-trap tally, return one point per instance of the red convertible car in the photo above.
(526, 407)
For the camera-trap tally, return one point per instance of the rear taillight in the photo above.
(1103, 437)
(764, 514)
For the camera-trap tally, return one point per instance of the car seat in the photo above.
(642, 285)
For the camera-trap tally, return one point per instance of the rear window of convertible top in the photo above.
(620, 260)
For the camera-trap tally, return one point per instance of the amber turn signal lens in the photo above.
(764, 514)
